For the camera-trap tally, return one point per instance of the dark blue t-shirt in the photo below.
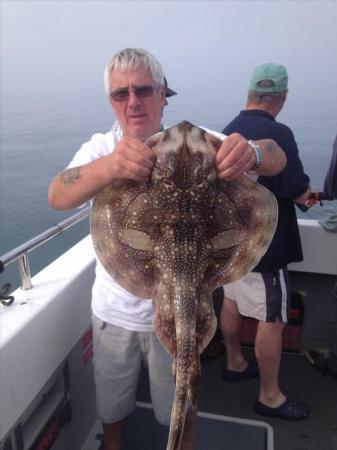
(330, 182)
(289, 184)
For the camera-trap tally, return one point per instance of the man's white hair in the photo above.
(129, 59)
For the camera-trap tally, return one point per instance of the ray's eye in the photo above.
(200, 183)
(168, 183)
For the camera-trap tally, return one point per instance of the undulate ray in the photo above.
(178, 237)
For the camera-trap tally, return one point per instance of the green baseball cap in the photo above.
(269, 78)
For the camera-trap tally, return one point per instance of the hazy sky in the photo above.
(54, 52)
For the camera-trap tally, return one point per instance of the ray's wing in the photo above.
(124, 233)
(245, 222)
(164, 318)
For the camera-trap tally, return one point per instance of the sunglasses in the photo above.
(120, 95)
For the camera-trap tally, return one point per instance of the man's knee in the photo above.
(230, 306)
(270, 328)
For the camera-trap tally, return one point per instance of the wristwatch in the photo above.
(258, 154)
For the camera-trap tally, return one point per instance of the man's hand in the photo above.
(234, 157)
(131, 159)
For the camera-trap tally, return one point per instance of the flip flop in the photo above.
(251, 371)
(290, 410)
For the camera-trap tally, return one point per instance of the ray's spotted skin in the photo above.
(178, 237)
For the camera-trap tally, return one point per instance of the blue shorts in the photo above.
(118, 355)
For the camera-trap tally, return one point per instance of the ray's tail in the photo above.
(187, 373)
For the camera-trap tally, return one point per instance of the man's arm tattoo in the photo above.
(70, 176)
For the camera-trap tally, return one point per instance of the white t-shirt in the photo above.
(110, 302)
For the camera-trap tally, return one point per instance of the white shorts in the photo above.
(263, 296)
(118, 355)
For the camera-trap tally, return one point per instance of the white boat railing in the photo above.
(20, 253)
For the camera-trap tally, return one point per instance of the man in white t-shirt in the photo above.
(122, 323)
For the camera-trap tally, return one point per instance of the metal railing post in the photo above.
(26, 282)
(20, 253)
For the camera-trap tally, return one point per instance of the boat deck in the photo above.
(298, 379)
